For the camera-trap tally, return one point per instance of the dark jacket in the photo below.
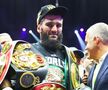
(102, 77)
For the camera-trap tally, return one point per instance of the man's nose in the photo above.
(54, 28)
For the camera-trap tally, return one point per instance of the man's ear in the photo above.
(38, 28)
(97, 40)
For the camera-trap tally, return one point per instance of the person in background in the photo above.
(97, 47)
(79, 55)
(5, 53)
(80, 69)
(87, 63)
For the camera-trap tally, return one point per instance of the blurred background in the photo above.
(17, 17)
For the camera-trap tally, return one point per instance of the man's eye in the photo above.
(49, 25)
(59, 25)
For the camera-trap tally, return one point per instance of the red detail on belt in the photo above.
(48, 86)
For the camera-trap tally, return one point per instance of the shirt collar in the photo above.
(102, 58)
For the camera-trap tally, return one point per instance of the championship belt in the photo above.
(5, 54)
(25, 59)
(49, 86)
(30, 66)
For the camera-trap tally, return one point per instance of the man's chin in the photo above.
(53, 43)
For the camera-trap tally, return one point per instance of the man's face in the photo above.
(50, 29)
(91, 47)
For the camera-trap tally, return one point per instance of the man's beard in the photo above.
(49, 43)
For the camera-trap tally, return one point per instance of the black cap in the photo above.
(77, 51)
(51, 10)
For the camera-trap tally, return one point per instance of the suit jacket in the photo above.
(102, 77)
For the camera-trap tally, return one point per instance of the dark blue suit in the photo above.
(102, 77)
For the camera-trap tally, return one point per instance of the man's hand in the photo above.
(84, 79)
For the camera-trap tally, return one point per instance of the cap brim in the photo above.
(58, 11)
(79, 53)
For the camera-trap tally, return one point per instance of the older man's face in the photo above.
(91, 47)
